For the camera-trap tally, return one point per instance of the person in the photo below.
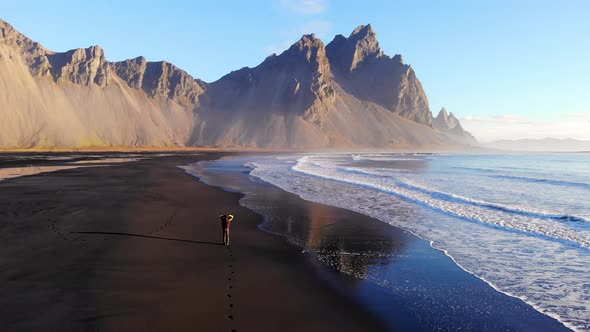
(226, 220)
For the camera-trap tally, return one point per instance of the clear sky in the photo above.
(506, 68)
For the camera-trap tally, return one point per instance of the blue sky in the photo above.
(507, 68)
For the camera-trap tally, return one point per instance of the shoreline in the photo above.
(540, 305)
(153, 211)
(136, 246)
(564, 325)
(492, 285)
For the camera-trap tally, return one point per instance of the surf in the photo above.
(509, 219)
(512, 261)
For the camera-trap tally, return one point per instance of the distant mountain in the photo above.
(541, 145)
(348, 94)
(449, 124)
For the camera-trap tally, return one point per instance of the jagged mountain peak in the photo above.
(450, 125)
(80, 54)
(5, 28)
(347, 93)
(446, 121)
(296, 81)
(308, 50)
(310, 38)
(365, 71)
(160, 79)
(88, 66)
(338, 38)
(361, 45)
(28, 48)
(84, 66)
(363, 32)
(7, 31)
(307, 43)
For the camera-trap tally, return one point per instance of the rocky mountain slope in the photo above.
(364, 71)
(449, 125)
(347, 94)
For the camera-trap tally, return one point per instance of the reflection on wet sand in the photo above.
(343, 240)
(398, 276)
(16, 165)
(13, 172)
(320, 217)
(349, 245)
(107, 161)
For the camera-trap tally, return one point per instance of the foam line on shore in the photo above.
(267, 172)
(541, 230)
(460, 199)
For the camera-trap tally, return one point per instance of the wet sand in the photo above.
(394, 274)
(136, 246)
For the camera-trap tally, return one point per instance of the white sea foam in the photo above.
(544, 180)
(521, 251)
(384, 157)
(408, 184)
(482, 212)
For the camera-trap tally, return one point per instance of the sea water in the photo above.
(521, 223)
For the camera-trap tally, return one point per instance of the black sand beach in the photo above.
(137, 246)
(396, 275)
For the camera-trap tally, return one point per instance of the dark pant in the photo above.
(225, 234)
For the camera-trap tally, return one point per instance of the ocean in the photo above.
(520, 223)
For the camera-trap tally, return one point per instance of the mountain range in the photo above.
(450, 125)
(346, 94)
